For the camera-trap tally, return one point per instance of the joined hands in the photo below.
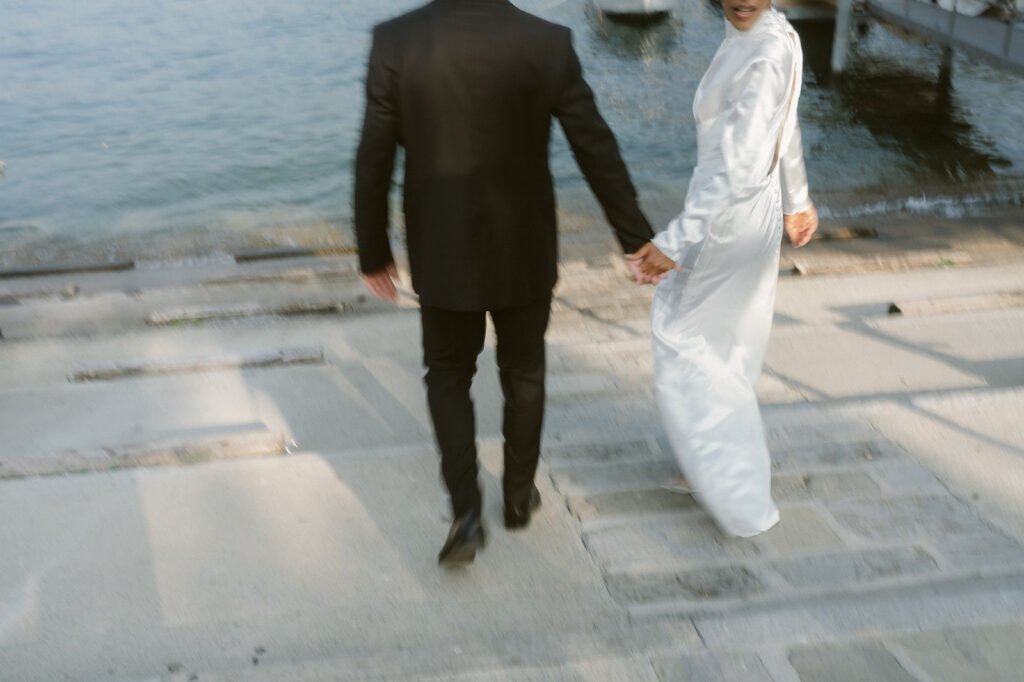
(381, 283)
(648, 265)
(801, 226)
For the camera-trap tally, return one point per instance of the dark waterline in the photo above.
(170, 130)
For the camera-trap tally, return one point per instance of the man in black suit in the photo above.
(469, 89)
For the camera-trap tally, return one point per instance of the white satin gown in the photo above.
(710, 322)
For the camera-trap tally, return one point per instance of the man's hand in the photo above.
(382, 283)
(801, 226)
(649, 265)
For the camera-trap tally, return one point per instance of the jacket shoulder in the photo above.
(522, 19)
(401, 23)
(539, 24)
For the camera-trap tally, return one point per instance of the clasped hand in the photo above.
(801, 226)
(649, 265)
(381, 283)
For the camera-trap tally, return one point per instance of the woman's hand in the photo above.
(801, 226)
(649, 265)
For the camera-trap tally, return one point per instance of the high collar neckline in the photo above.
(763, 23)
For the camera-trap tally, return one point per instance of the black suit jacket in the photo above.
(469, 89)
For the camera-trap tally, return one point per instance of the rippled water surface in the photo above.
(173, 129)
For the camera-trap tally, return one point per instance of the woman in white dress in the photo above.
(717, 264)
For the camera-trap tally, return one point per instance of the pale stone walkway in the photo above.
(254, 495)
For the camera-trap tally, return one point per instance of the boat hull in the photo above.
(638, 9)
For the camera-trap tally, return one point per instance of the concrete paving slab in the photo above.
(848, 663)
(978, 551)
(957, 304)
(680, 540)
(348, 273)
(202, 313)
(263, 358)
(830, 300)
(64, 268)
(829, 457)
(118, 310)
(15, 295)
(257, 595)
(703, 584)
(307, 555)
(38, 361)
(855, 566)
(619, 648)
(718, 667)
(907, 517)
(192, 447)
(855, 264)
(628, 502)
(901, 610)
(90, 417)
(603, 452)
(986, 653)
(822, 486)
(599, 669)
(974, 443)
(841, 363)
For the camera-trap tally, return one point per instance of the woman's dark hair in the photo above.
(717, 5)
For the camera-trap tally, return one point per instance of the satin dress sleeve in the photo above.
(738, 115)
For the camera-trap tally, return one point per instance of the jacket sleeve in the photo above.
(375, 161)
(597, 154)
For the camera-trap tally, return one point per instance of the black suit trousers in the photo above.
(452, 341)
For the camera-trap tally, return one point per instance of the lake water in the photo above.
(189, 128)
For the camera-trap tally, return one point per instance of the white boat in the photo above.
(636, 9)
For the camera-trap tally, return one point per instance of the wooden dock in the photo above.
(807, 10)
(995, 40)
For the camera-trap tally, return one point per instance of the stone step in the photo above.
(593, 298)
(118, 311)
(599, 325)
(978, 652)
(673, 537)
(606, 653)
(847, 264)
(621, 464)
(102, 425)
(229, 311)
(582, 353)
(597, 667)
(633, 419)
(858, 512)
(733, 588)
(897, 613)
(677, 562)
(628, 503)
(805, 563)
(347, 273)
(16, 295)
(582, 421)
(1002, 300)
(229, 442)
(927, 654)
(275, 357)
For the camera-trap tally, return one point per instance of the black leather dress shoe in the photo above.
(519, 506)
(464, 539)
